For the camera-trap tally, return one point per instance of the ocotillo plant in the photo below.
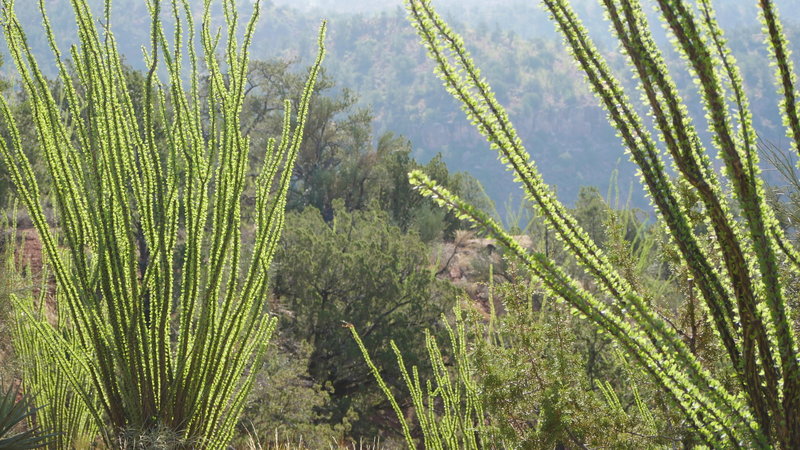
(741, 278)
(70, 422)
(58, 410)
(448, 407)
(169, 321)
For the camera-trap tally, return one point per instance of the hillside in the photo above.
(374, 52)
(557, 117)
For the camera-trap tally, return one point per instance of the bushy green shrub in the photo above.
(358, 268)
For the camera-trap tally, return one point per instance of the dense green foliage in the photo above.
(550, 380)
(361, 269)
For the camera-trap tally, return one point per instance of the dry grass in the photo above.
(289, 441)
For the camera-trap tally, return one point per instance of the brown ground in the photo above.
(30, 252)
(28, 262)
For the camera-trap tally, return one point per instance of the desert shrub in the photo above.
(358, 268)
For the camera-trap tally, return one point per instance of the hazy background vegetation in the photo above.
(374, 54)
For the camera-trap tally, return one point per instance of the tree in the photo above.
(741, 279)
(338, 158)
(167, 328)
(359, 269)
(335, 158)
(591, 212)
